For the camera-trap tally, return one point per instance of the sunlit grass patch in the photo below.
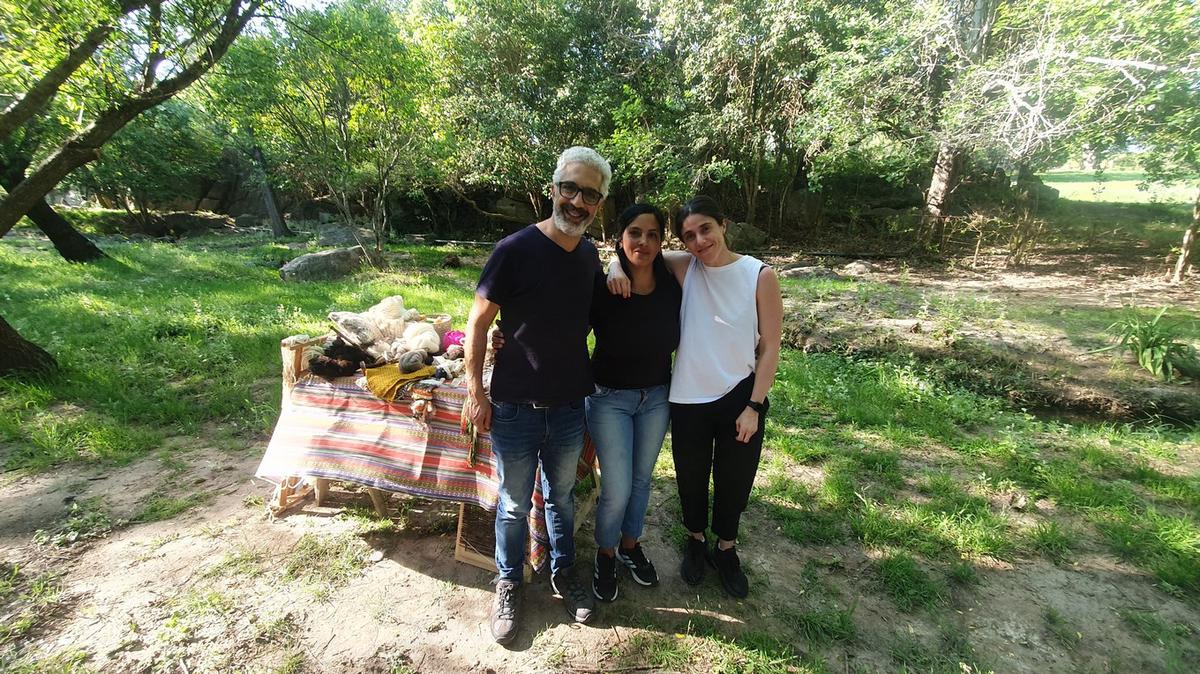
(908, 585)
(1052, 541)
(1166, 545)
(658, 651)
(161, 339)
(325, 562)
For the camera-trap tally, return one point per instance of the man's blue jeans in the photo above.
(523, 436)
(628, 427)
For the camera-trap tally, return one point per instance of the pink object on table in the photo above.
(453, 337)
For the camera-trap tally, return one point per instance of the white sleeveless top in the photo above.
(718, 323)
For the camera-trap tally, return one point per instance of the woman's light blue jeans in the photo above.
(627, 427)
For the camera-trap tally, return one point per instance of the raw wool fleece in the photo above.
(422, 336)
(339, 359)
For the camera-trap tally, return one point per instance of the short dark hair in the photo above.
(698, 205)
(626, 218)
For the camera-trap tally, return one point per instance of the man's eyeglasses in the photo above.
(569, 189)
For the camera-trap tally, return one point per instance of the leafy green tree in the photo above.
(166, 47)
(338, 98)
(162, 155)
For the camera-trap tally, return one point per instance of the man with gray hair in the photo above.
(539, 280)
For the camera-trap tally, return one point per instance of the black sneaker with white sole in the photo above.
(604, 579)
(640, 568)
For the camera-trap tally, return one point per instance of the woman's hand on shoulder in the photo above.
(618, 282)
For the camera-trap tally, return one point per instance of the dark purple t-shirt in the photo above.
(545, 296)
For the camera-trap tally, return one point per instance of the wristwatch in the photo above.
(757, 407)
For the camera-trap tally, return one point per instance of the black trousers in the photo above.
(704, 442)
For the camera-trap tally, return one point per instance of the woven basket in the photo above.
(441, 322)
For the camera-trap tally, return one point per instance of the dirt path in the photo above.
(210, 590)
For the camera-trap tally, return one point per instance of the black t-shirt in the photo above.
(635, 336)
(545, 296)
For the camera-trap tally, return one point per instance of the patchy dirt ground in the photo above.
(221, 587)
(1029, 332)
(209, 590)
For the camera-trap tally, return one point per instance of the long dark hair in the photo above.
(659, 266)
(698, 205)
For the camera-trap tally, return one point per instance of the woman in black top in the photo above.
(628, 415)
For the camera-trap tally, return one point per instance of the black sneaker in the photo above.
(639, 567)
(692, 568)
(604, 580)
(729, 568)
(506, 610)
(578, 601)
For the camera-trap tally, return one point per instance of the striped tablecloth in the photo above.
(340, 431)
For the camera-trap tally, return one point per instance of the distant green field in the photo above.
(1117, 187)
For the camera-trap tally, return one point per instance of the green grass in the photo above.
(1125, 187)
(909, 586)
(164, 339)
(81, 522)
(822, 626)
(950, 653)
(1052, 541)
(161, 506)
(325, 562)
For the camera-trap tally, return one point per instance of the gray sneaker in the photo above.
(506, 611)
(576, 598)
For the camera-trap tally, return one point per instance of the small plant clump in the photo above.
(1156, 346)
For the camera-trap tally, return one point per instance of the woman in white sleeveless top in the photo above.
(731, 322)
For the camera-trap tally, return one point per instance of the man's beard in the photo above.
(563, 225)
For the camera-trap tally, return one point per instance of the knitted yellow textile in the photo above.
(387, 382)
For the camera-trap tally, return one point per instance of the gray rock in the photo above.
(325, 265)
(341, 235)
(521, 210)
(744, 236)
(858, 268)
(247, 220)
(803, 271)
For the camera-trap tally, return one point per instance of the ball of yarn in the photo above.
(412, 361)
(452, 338)
(422, 336)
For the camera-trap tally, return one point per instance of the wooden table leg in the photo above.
(322, 486)
(379, 499)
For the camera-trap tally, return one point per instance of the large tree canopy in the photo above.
(768, 104)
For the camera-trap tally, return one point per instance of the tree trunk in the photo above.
(73, 246)
(945, 177)
(17, 355)
(1189, 240)
(279, 228)
(85, 146)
